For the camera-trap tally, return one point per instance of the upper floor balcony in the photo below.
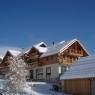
(74, 52)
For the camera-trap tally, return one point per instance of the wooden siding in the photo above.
(70, 55)
(5, 61)
(77, 50)
(78, 86)
(52, 59)
(32, 55)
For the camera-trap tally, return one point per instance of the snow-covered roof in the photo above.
(83, 68)
(4, 49)
(60, 47)
(70, 43)
(14, 52)
(53, 49)
(27, 50)
(41, 47)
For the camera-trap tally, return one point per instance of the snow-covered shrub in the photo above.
(17, 75)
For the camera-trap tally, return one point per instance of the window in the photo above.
(48, 70)
(64, 69)
(43, 45)
(47, 58)
(39, 74)
(48, 73)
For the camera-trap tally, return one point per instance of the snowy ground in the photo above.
(38, 88)
(42, 88)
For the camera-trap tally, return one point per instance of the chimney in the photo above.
(53, 43)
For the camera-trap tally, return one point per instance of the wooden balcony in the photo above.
(33, 62)
(74, 52)
(69, 61)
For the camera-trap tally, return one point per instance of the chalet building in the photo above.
(80, 78)
(49, 62)
(5, 61)
(9, 53)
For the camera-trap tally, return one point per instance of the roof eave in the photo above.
(70, 43)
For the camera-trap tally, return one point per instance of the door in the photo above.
(31, 74)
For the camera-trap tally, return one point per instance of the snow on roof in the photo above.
(61, 42)
(70, 43)
(60, 47)
(53, 49)
(39, 44)
(4, 49)
(27, 50)
(15, 52)
(41, 47)
(1, 56)
(83, 68)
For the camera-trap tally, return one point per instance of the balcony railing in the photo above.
(74, 52)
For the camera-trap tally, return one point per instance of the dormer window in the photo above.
(42, 45)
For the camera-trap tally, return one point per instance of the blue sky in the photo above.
(26, 22)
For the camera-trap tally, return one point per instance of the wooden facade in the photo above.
(85, 86)
(66, 57)
(70, 55)
(51, 59)
(4, 66)
(6, 58)
(77, 87)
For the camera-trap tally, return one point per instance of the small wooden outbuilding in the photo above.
(80, 79)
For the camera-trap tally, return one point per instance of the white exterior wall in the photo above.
(54, 71)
